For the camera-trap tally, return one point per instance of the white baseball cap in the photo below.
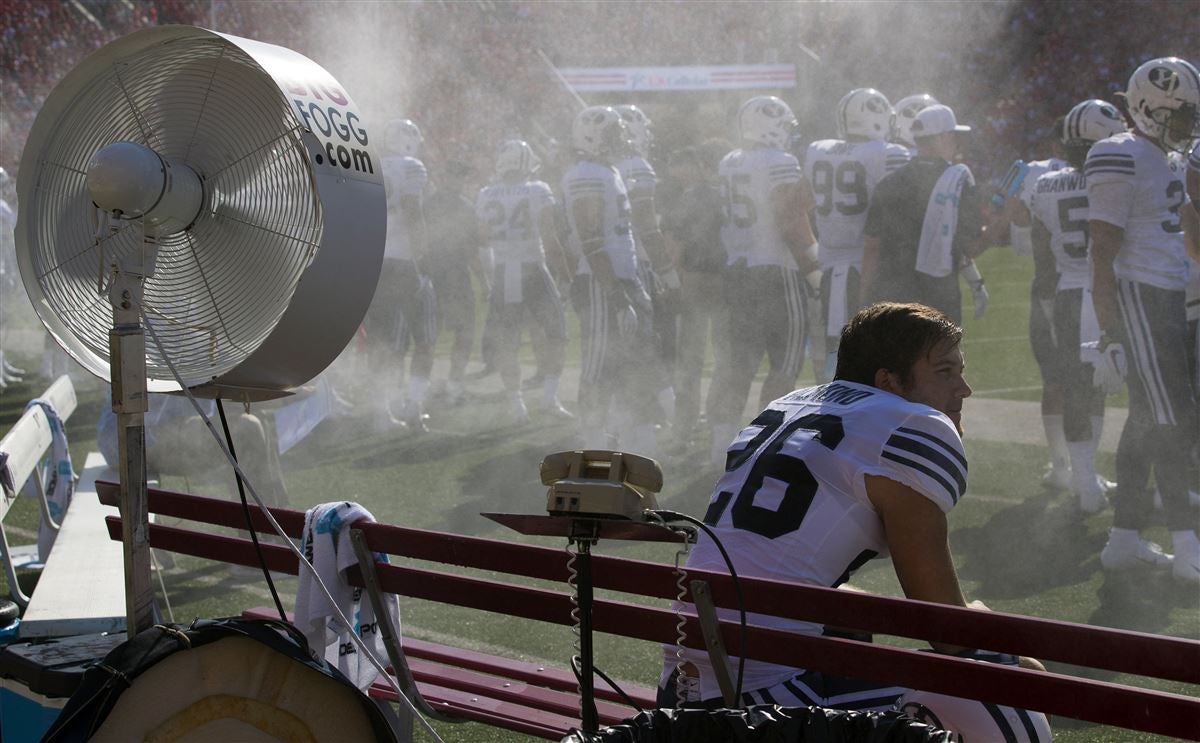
(936, 119)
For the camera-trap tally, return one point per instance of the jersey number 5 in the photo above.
(741, 207)
(772, 462)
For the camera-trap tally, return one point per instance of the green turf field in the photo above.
(1018, 547)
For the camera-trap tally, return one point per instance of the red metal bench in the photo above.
(543, 702)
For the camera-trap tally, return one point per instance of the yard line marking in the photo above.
(1006, 390)
(17, 531)
(997, 339)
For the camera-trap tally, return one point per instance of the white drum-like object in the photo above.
(270, 280)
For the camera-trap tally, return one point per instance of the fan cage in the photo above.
(218, 288)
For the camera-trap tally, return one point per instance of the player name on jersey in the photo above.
(835, 393)
(1073, 182)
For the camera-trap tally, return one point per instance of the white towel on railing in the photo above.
(935, 251)
(60, 480)
(326, 544)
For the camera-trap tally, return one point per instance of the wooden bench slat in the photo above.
(1126, 651)
(511, 690)
(1112, 704)
(477, 708)
(530, 673)
(554, 678)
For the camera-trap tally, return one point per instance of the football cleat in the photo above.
(1163, 98)
(518, 411)
(766, 120)
(1186, 565)
(1057, 478)
(1122, 554)
(555, 409)
(1092, 500)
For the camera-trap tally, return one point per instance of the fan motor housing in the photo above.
(269, 220)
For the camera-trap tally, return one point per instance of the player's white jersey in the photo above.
(792, 504)
(640, 182)
(1153, 250)
(843, 176)
(748, 176)
(402, 176)
(587, 179)
(511, 216)
(1037, 168)
(1059, 201)
(638, 175)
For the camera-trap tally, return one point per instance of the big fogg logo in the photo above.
(326, 111)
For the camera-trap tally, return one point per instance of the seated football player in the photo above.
(829, 477)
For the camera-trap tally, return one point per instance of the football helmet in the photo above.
(1164, 101)
(906, 113)
(1091, 121)
(866, 113)
(516, 155)
(403, 137)
(599, 131)
(971, 720)
(766, 120)
(638, 125)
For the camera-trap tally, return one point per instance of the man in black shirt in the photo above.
(915, 245)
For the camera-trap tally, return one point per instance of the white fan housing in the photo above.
(255, 171)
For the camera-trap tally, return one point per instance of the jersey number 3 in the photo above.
(772, 462)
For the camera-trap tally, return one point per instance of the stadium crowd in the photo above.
(1035, 58)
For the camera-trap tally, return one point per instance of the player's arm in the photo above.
(645, 228)
(556, 254)
(588, 212)
(918, 538)
(788, 203)
(1191, 232)
(1191, 217)
(1106, 243)
(414, 216)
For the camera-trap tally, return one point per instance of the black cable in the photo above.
(737, 587)
(262, 561)
(577, 662)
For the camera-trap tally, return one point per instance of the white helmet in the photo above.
(516, 155)
(906, 113)
(638, 124)
(865, 112)
(403, 137)
(767, 120)
(972, 721)
(1164, 101)
(598, 131)
(1092, 121)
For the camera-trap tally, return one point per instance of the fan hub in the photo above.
(134, 182)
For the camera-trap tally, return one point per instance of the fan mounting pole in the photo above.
(131, 181)
(127, 353)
